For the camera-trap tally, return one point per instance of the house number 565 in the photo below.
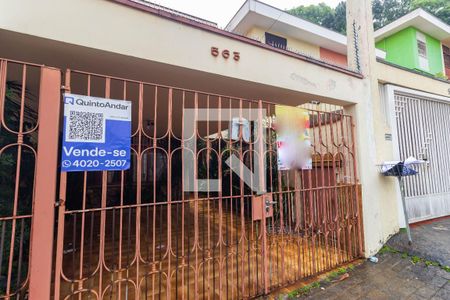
(225, 53)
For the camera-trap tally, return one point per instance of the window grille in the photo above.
(422, 47)
(276, 41)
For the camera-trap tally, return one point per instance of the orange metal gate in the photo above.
(138, 234)
(29, 118)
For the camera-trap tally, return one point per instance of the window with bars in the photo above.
(446, 54)
(422, 47)
(276, 41)
(422, 51)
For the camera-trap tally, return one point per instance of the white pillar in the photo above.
(379, 193)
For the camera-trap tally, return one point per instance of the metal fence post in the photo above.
(262, 185)
(41, 252)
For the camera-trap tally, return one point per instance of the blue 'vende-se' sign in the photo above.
(96, 134)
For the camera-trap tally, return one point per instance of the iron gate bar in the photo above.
(30, 179)
(305, 233)
(263, 184)
(315, 225)
(45, 180)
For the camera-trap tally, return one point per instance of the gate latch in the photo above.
(262, 206)
(269, 204)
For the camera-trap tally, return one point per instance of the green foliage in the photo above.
(387, 249)
(304, 290)
(322, 14)
(415, 259)
(441, 75)
(341, 271)
(384, 12)
(431, 263)
(439, 8)
(340, 18)
(331, 276)
(319, 14)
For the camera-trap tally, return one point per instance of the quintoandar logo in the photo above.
(69, 100)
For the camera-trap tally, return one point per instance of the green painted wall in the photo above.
(401, 49)
(434, 55)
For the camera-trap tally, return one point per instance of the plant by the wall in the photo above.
(441, 75)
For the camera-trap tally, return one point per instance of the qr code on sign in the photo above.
(85, 127)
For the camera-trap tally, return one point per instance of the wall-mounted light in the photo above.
(315, 102)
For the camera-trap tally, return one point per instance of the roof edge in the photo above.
(215, 30)
(245, 11)
(236, 13)
(418, 12)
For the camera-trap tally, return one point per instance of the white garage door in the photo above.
(423, 127)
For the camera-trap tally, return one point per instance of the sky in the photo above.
(221, 11)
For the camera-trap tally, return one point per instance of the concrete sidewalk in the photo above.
(403, 271)
(393, 277)
(430, 241)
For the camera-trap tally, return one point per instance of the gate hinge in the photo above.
(60, 202)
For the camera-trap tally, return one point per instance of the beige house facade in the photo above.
(301, 36)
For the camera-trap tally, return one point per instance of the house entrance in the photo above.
(140, 234)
